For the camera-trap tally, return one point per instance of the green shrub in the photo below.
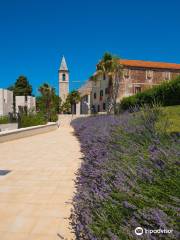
(167, 94)
(4, 119)
(32, 120)
(54, 117)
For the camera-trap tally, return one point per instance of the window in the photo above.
(126, 73)
(104, 106)
(149, 74)
(98, 108)
(94, 95)
(93, 109)
(166, 75)
(106, 91)
(137, 89)
(64, 77)
(101, 93)
(86, 98)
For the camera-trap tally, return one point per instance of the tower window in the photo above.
(101, 93)
(94, 95)
(64, 77)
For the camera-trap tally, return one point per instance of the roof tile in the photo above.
(148, 64)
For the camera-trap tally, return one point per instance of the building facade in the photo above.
(85, 93)
(63, 73)
(137, 76)
(6, 102)
(27, 102)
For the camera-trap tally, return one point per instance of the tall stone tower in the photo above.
(63, 80)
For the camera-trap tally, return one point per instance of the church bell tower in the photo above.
(63, 80)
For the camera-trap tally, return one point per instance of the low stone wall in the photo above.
(8, 126)
(26, 132)
(65, 119)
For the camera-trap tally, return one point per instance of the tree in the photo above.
(72, 99)
(110, 66)
(21, 87)
(48, 102)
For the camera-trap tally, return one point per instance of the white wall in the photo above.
(30, 103)
(26, 132)
(86, 104)
(6, 102)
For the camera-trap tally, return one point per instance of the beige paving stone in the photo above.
(44, 237)
(35, 198)
(21, 224)
(2, 235)
(15, 236)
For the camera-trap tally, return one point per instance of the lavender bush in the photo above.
(129, 177)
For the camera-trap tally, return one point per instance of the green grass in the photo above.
(173, 115)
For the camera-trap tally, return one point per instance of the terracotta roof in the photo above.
(147, 64)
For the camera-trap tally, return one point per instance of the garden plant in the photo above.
(129, 176)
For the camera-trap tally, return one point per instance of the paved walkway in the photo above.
(35, 196)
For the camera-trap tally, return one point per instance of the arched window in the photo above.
(64, 77)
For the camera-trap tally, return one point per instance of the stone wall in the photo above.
(8, 126)
(136, 80)
(26, 132)
(65, 119)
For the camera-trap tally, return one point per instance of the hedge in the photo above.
(167, 94)
(32, 120)
(4, 119)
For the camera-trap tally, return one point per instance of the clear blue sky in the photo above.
(34, 34)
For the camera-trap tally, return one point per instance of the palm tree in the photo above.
(111, 67)
(73, 98)
(48, 99)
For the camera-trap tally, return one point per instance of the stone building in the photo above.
(137, 76)
(6, 102)
(63, 80)
(28, 102)
(85, 93)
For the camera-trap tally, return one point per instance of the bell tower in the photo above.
(63, 80)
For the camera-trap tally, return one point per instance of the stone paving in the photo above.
(35, 196)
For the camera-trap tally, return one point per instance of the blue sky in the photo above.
(34, 34)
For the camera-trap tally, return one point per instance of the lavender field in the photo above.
(129, 177)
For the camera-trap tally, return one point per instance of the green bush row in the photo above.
(32, 120)
(167, 94)
(4, 119)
